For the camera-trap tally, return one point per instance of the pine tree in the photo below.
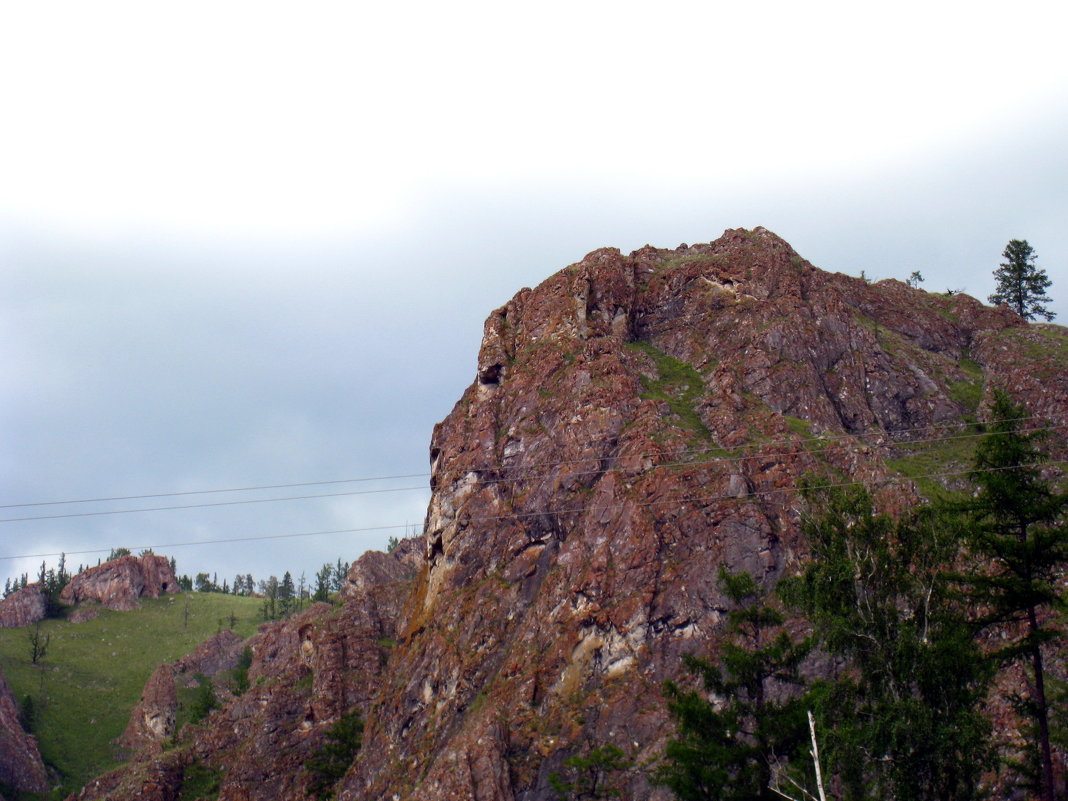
(905, 714)
(286, 594)
(341, 570)
(1021, 284)
(730, 750)
(1020, 539)
(323, 583)
(332, 759)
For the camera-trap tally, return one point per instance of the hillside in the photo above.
(636, 422)
(93, 672)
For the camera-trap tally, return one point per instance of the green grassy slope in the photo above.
(92, 674)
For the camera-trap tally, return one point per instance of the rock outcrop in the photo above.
(306, 671)
(21, 767)
(152, 720)
(119, 583)
(635, 422)
(23, 607)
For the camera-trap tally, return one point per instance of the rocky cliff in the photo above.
(24, 607)
(306, 671)
(153, 720)
(636, 421)
(21, 769)
(118, 584)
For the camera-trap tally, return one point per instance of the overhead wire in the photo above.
(528, 472)
(212, 491)
(205, 505)
(829, 438)
(541, 513)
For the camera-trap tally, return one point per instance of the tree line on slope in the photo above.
(870, 673)
(915, 619)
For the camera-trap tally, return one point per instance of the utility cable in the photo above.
(203, 505)
(753, 445)
(542, 513)
(528, 473)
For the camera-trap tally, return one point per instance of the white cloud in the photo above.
(258, 117)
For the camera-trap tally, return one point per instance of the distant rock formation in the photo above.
(23, 607)
(119, 583)
(21, 767)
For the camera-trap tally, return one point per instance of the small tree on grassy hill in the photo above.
(269, 591)
(38, 643)
(286, 594)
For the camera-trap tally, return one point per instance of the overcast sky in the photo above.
(245, 244)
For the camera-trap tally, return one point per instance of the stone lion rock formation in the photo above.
(636, 422)
(117, 584)
(21, 768)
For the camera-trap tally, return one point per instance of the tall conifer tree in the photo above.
(1021, 284)
(1020, 538)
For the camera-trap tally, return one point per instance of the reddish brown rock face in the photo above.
(20, 762)
(119, 583)
(24, 607)
(152, 720)
(636, 422)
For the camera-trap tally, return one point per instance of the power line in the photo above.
(203, 505)
(820, 439)
(211, 542)
(541, 513)
(528, 473)
(211, 491)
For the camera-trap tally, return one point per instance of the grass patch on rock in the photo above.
(937, 468)
(677, 384)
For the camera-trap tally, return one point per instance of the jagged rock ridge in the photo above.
(636, 421)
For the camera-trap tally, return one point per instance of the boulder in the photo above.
(23, 607)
